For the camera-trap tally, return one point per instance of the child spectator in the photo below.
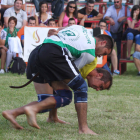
(113, 55)
(3, 49)
(70, 12)
(133, 23)
(42, 16)
(11, 32)
(18, 13)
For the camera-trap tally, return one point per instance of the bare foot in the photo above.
(31, 117)
(51, 120)
(12, 118)
(87, 131)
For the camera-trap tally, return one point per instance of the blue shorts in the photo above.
(136, 55)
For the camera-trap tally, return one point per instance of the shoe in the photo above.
(138, 74)
(2, 71)
(116, 72)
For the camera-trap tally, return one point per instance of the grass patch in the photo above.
(113, 114)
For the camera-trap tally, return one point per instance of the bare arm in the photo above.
(80, 16)
(121, 19)
(2, 42)
(6, 21)
(131, 24)
(60, 21)
(112, 22)
(83, 20)
(24, 23)
(36, 18)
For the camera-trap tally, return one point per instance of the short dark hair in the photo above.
(14, 19)
(103, 20)
(71, 19)
(18, 0)
(51, 20)
(90, 2)
(31, 18)
(110, 42)
(106, 76)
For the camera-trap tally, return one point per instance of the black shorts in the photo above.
(54, 64)
(32, 69)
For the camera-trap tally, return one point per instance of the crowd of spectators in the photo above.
(13, 18)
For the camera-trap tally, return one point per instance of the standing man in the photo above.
(116, 15)
(18, 13)
(91, 13)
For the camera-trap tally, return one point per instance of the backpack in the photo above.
(17, 65)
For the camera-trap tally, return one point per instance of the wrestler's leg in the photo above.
(48, 90)
(49, 103)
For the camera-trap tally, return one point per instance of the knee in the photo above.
(63, 98)
(80, 88)
(130, 36)
(136, 55)
(137, 39)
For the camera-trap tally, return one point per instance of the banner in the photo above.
(34, 36)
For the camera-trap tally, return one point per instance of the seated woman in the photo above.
(11, 32)
(70, 12)
(42, 16)
(133, 28)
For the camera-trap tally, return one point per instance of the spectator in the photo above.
(18, 13)
(11, 32)
(31, 22)
(116, 14)
(133, 23)
(71, 22)
(51, 23)
(136, 57)
(3, 49)
(5, 4)
(57, 6)
(70, 12)
(103, 26)
(42, 16)
(91, 13)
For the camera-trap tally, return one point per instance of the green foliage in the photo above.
(113, 114)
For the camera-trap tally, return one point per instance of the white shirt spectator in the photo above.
(20, 16)
(9, 2)
(3, 34)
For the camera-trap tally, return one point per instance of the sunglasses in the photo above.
(72, 7)
(116, 1)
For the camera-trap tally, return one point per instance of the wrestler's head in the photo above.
(104, 45)
(99, 79)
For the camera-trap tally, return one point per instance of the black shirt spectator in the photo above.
(92, 14)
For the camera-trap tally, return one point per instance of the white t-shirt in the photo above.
(78, 42)
(9, 2)
(3, 34)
